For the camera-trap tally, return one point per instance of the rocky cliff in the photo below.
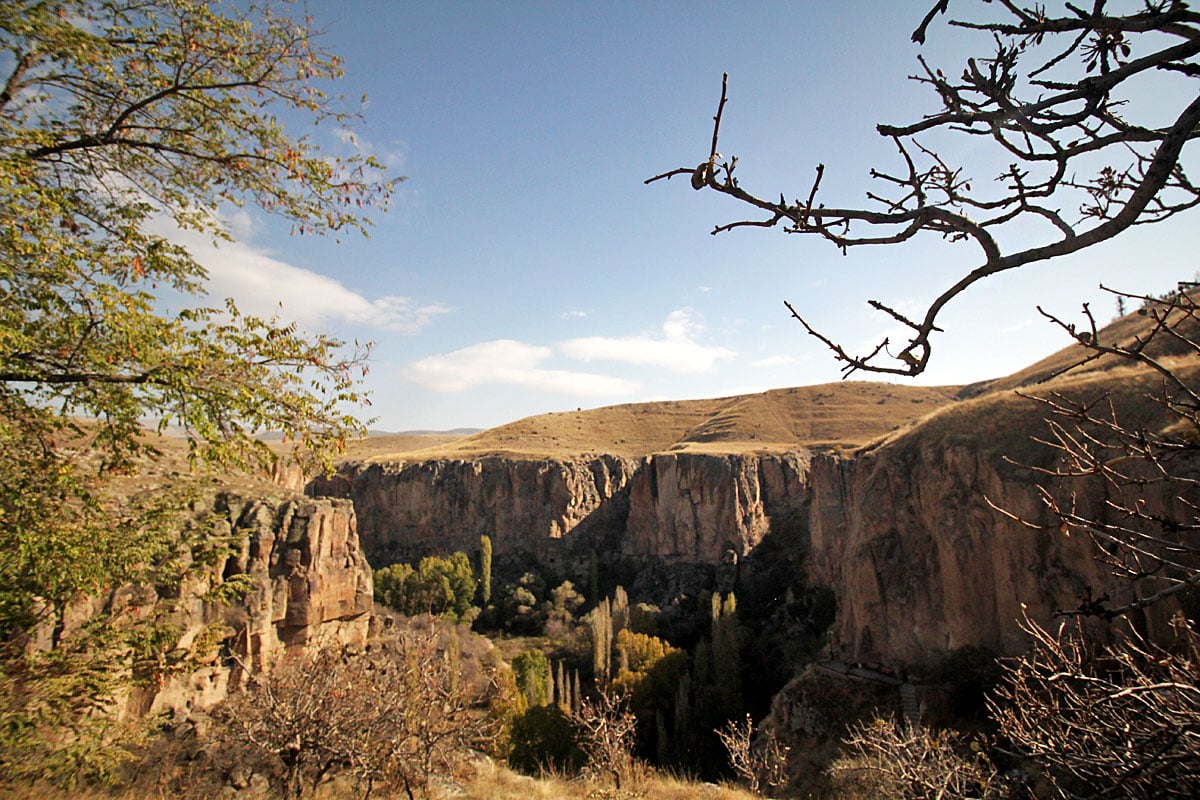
(298, 578)
(674, 507)
(707, 507)
(927, 538)
(922, 535)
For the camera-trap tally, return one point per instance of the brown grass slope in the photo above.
(1001, 418)
(840, 416)
(1123, 331)
(830, 416)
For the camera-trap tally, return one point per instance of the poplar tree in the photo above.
(602, 637)
(620, 610)
(727, 659)
(485, 569)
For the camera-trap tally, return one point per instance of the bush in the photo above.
(444, 586)
(544, 740)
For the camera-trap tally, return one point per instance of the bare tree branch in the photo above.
(1047, 104)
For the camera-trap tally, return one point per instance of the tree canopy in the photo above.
(122, 122)
(119, 119)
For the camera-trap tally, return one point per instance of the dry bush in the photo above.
(761, 766)
(1117, 721)
(607, 731)
(895, 760)
(397, 715)
(1122, 719)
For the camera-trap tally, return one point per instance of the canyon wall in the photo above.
(939, 539)
(674, 507)
(301, 581)
(921, 536)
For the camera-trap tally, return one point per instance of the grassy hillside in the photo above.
(839, 415)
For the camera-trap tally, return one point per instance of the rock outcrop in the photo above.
(673, 507)
(300, 580)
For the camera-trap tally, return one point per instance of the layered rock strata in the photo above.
(925, 537)
(303, 581)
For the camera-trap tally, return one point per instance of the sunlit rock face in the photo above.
(303, 582)
(939, 539)
(684, 507)
(535, 509)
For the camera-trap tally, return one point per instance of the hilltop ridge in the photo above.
(823, 417)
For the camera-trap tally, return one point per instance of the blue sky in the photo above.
(525, 268)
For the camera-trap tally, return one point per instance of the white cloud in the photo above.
(267, 287)
(574, 314)
(676, 349)
(775, 361)
(505, 361)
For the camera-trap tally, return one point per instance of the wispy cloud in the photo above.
(775, 361)
(265, 286)
(505, 361)
(677, 348)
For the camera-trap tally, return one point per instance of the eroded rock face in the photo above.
(911, 538)
(921, 565)
(677, 507)
(307, 582)
(533, 508)
(697, 507)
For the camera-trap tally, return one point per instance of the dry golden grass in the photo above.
(489, 781)
(831, 416)
(1005, 423)
(497, 782)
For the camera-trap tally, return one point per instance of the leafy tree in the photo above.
(638, 652)
(544, 739)
(444, 586)
(485, 570)
(389, 585)
(120, 120)
(564, 601)
(650, 676)
(727, 657)
(532, 671)
(601, 625)
(561, 624)
(522, 604)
